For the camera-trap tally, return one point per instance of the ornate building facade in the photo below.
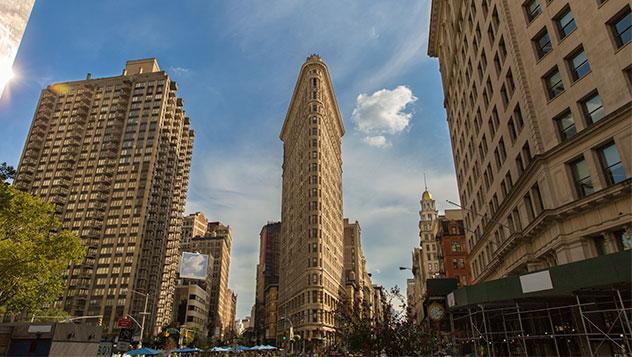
(538, 97)
(311, 283)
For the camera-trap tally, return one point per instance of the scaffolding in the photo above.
(590, 322)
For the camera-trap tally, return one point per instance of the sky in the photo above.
(236, 64)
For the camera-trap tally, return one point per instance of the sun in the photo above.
(6, 74)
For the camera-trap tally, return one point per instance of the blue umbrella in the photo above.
(145, 351)
(242, 348)
(187, 350)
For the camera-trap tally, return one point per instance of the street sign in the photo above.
(124, 323)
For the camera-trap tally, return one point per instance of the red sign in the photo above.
(124, 323)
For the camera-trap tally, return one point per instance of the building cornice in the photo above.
(433, 33)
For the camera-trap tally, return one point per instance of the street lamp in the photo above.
(144, 313)
(405, 268)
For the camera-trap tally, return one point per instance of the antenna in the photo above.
(425, 184)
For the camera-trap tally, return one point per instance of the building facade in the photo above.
(216, 242)
(453, 247)
(428, 229)
(538, 101)
(359, 289)
(113, 155)
(265, 317)
(191, 308)
(311, 283)
(194, 225)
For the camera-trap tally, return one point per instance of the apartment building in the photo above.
(113, 155)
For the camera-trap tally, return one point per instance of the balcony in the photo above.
(45, 111)
(40, 123)
(60, 191)
(69, 158)
(31, 154)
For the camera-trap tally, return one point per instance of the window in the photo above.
(532, 8)
(578, 64)
(611, 163)
(581, 176)
(554, 85)
(565, 23)
(542, 43)
(593, 108)
(565, 125)
(456, 246)
(621, 27)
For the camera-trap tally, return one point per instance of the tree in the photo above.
(395, 332)
(6, 172)
(34, 252)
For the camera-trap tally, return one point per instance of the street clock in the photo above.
(436, 311)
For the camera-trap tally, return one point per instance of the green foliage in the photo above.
(34, 252)
(394, 333)
(6, 172)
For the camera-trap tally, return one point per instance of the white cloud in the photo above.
(377, 141)
(382, 113)
(179, 71)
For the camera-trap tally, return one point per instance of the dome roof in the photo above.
(426, 196)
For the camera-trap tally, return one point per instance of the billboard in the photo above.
(193, 266)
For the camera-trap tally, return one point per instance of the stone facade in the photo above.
(311, 283)
(538, 97)
(359, 289)
(113, 155)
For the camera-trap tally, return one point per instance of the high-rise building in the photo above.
(113, 155)
(428, 228)
(216, 241)
(453, 247)
(538, 96)
(311, 283)
(359, 289)
(265, 317)
(194, 225)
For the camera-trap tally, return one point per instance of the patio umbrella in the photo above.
(187, 350)
(145, 351)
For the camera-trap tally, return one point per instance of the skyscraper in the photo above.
(265, 316)
(538, 96)
(311, 282)
(113, 155)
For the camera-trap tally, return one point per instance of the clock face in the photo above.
(436, 311)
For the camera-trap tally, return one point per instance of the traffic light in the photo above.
(100, 321)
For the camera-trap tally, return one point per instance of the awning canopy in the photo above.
(559, 281)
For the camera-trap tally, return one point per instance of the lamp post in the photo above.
(144, 313)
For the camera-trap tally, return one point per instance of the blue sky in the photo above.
(236, 64)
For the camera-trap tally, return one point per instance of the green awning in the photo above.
(562, 280)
